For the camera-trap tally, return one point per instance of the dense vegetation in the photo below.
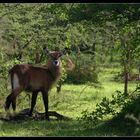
(101, 82)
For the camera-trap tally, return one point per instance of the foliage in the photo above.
(32, 26)
(97, 35)
(84, 67)
(131, 110)
(108, 107)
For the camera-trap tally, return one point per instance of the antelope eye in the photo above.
(56, 62)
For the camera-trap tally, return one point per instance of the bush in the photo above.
(131, 111)
(119, 105)
(85, 70)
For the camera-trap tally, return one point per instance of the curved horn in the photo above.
(64, 51)
(46, 50)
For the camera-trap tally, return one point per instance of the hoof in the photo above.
(47, 118)
(5, 108)
(29, 114)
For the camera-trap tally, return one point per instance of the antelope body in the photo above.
(25, 77)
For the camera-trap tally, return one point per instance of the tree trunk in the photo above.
(126, 83)
(111, 54)
(126, 74)
(126, 63)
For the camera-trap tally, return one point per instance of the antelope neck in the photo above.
(54, 71)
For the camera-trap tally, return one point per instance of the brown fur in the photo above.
(34, 77)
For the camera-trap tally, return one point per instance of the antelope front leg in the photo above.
(45, 99)
(33, 102)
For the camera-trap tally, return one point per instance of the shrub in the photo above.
(85, 70)
(119, 105)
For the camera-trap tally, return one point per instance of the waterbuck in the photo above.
(25, 77)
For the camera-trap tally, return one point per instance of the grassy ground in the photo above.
(71, 102)
(63, 128)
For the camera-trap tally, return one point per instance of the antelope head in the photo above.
(55, 56)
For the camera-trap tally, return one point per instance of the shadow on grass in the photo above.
(114, 127)
(118, 126)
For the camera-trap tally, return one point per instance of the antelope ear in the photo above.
(64, 51)
(46, 50)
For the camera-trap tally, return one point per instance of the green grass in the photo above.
(71, 101)
(66, 128)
